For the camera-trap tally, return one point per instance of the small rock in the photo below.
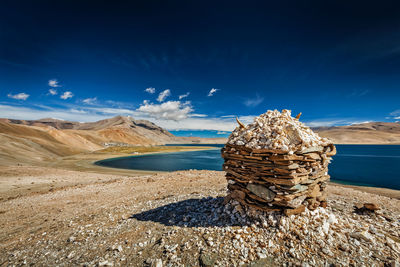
(364, 235)
(207, 260)
(70, 255)
(371, 206)
(105, 263)
(157, 263)
(394, 263)
(266, 262)
(295, 211)
(150, 180)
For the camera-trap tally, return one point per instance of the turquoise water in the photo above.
(369, 165)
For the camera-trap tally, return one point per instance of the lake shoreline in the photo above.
(386, 191)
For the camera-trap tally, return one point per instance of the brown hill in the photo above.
(364, 133)
(50, 138)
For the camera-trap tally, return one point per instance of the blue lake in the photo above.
(369, 165)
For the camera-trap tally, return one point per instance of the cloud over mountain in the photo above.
(171, 110)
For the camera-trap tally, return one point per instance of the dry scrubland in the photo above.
(178, 219)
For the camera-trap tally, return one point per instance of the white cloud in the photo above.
(67, 95)
(216, 124)
(333, 122)
(113, 111)
(54, 83)
(29, 113)
(395, 113)
(150, 90)
(198, 115)
(80, 111)
(360, 122)
(52, 91)
(163, 95)
(253, 102)
(184, 95)
(171, 110)
(229, 116)
(212, 91)
(20, 96)
(90, 101)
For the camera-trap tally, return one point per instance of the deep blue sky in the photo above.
(335, 61)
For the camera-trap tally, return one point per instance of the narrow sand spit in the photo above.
(179, 219)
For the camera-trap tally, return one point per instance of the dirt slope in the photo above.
(45, 139)
(365, 133)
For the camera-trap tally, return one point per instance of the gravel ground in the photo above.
(180, 219)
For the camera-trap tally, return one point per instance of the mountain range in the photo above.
(363, 133)
(49, 138)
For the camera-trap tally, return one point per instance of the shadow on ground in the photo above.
(204, 212)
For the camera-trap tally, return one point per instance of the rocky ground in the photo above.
(180, 219)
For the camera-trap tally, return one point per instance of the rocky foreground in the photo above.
(180, 219)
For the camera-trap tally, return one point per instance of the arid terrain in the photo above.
(364, 133)
(178, 219)
(57, 208)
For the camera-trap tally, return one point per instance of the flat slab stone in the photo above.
(261, 191)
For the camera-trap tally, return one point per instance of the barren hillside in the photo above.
(49, 138)
(365, 133)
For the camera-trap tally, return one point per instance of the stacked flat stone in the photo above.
(284, 178)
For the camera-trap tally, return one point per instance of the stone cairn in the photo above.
(277, 163)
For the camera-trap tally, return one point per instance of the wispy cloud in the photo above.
(150, 90)
(20, 96)
(334, 122)
(212, 91)
(112, 111)
(29, 113)
(184, 95)
(52, 91)
(90, 101)
(228, 116)
(171, 110)
(253, 102)
(194, 115)
(118, 104)
(80, 111)
(54, 83)
(395, 112)
(163, 95)
(358, 92)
